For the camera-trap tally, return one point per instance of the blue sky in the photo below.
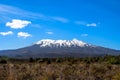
(23, 22)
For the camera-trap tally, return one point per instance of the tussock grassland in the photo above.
(104, 68)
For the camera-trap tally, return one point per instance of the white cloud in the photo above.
(17, 24)
(84, 35)
(6, 33)
(60, 19)
(24, 34)
(49, 32)
(85, 24)
(92, 25)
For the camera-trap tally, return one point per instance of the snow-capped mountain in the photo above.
(61, 43)
(59, 48)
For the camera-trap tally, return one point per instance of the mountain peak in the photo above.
(61, 43)
(48, 48)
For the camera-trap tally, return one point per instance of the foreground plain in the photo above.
(97, 68)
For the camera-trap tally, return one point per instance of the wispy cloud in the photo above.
(6, 9)
(60, 19)
(49, 32)
(84, 35)
(6, 33)
(85, 24)
(23, 34)
(17, 24)
(11, 11)
(92, 24)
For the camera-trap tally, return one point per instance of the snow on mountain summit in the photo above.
(61, 43)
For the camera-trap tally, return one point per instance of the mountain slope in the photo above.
(59, 48)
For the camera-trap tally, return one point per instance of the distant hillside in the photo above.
(60, 48)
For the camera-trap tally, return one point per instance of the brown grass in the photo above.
(59, 71)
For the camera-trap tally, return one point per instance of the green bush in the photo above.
(113, 61)
(31, 60)
(58, 60)
(40, 60)
(48, 61)
(3, 60)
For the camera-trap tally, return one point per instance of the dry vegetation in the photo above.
(105, 68)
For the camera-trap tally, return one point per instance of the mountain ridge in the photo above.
(59, 48)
